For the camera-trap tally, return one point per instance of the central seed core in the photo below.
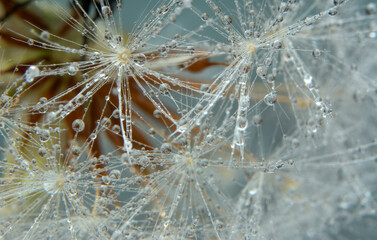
(53, 182)
(189, 161)
(251, 47)
(124, 56)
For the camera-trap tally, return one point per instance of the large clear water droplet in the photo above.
(31, 73)
(78, 125)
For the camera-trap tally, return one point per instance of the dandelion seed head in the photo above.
(124, 56)
(53, 182)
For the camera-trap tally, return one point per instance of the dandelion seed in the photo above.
(124, 65)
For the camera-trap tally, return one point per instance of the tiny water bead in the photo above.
(333, 12)
(115, 174)
(31, 73)
(116, 114)
(72, 69)
(116, 128)
(93, 136)
(219, 225)
(316, 53)
(371, 8)
(30, 42)
(226, 20)
(106, 180)
(270, 99)
(338, 2)
(144, 161)
(257, 120)
(205, 16)
(151, 131)
(42, 105)
(308, 80)
(106, 122)
(78, 125)
(157, 113)
(44, 135)
(242, 123)
(261, 71)
(44, 35)
(166, 148)
(106, 11)
(164, 88)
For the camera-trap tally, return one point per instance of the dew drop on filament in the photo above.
(78, 125)
(31, 73)
(270, 98)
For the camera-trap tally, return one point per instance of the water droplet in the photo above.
(261, 72)
(190, 234)
(105, 122)
(164, 88)
(42, 100)
(157, 113)
(371, 8)
(242, 123)
(270, 98)
(30, 42)
(277, 44)
(316, 53)
(204, 87)
(106, 10)
(308, 80)
(152, 131)
(372, 35)
(93, 136)
(253, 192)
(210, 138)
(144, 161)
(125, 158)
(114, 174)
(226, 20)
(295, 142)
(44, 35)
(166, 148)
(139, 58)
(338, 2)
(72, 69)
(79, 99)
(116, 128)
(25, 165)
(116, 113)
(31, 73)
(248, 33)
(44, 135)
(244, 103)
(41, 105)
(205, 16)
(333, 11)
(42, 152)
(78, 125)
(106, 180)
(219, 225)
(309, 21)
(257, 120)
